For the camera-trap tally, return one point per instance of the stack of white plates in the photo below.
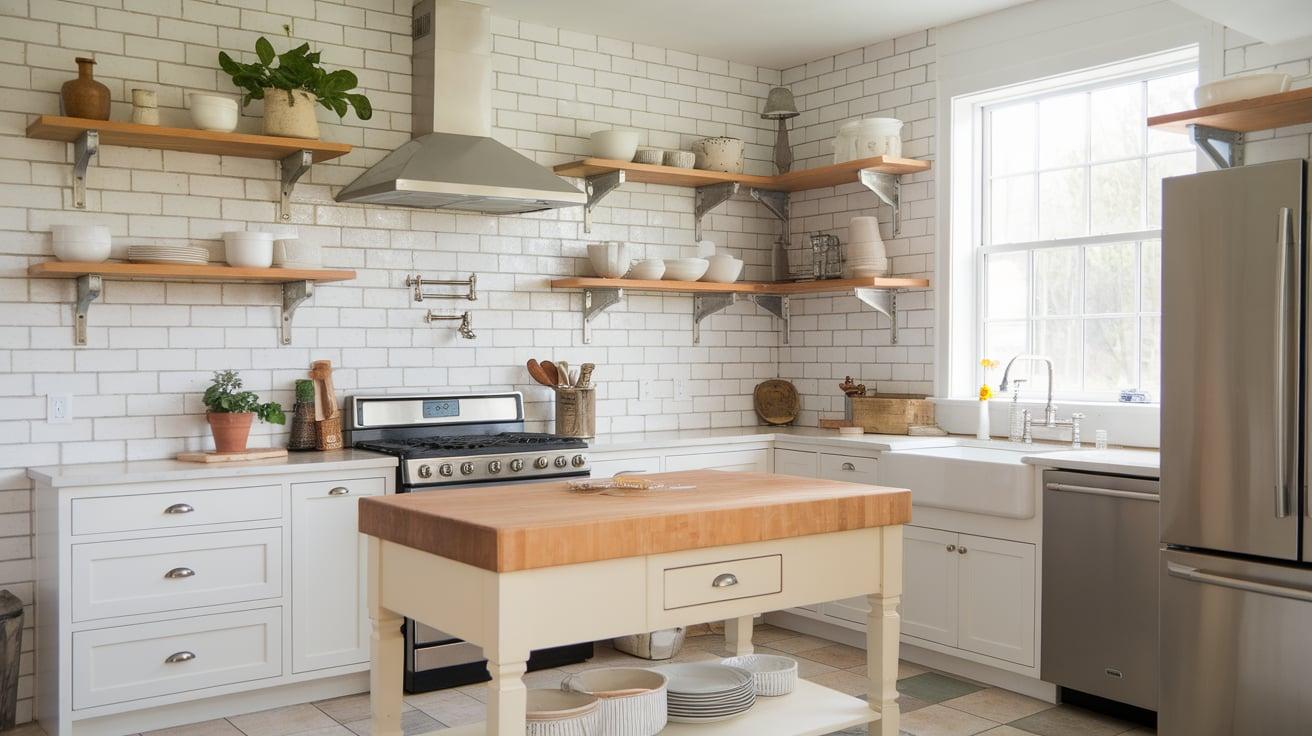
(168, 254)
(704, 692)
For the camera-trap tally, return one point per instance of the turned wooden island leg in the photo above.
(388, 655)
(507, 698)
(882, 634)
(738, 636)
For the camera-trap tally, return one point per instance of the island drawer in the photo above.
(173, 509)
(169, 573)
(723, 581)
(125, 663)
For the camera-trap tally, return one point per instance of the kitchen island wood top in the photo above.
(523, 527)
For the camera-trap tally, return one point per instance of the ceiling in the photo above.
(772, 33)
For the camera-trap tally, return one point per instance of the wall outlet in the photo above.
(59, 408)
(646, 389)
(680, 389)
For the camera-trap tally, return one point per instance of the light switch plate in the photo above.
(59, 408)
(680, 389)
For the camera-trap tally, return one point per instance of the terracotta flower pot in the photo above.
(230, 430)
(290, 114)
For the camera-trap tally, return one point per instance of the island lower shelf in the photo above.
(810, 710)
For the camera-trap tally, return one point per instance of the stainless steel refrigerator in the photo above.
(1236, 563)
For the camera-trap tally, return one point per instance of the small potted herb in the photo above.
(291, 88)
(231, 411)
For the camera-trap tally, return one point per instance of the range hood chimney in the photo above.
(452, 161)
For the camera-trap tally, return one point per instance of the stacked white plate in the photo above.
(168, 254)
(704, 692)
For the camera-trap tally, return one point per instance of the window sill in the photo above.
(1133, 425)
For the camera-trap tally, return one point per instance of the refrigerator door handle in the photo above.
(1282, 348)
(1184, 572)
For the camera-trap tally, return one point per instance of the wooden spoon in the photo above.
(553, 373)
(538, 373)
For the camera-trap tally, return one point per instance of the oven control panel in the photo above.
(451, 470)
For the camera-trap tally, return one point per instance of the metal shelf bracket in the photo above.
(778, 306)
(776, 202)
(708, 198)
(883, 301)
(596, 301)
(597, 187)
(703, 306)
(88, 290)
(86, 146)
(292, 168)
(888, 187)
(293, 294)
(1224, 147)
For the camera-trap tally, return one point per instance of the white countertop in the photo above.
(147, 471)
(1124, 461)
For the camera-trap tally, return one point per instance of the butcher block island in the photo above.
(521, 567)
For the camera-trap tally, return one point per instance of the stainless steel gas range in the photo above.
(461, 441)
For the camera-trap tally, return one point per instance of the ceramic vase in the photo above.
(290, 114)
(84, 97)
(982, 429)
(231, 430)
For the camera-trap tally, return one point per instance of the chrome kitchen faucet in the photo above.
(1062, 430)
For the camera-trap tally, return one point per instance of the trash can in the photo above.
(11, 619)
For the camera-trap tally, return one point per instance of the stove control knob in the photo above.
(561, 461)
(446, 470)
(494, 467)
(578, 461)
(425, 471)
(516, 465)
(466, 468)
(540, 463)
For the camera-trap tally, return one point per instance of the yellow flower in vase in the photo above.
(985, 392)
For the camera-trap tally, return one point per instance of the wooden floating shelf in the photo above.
(793, 181)
(1244, 116)
(744, 287)
(113, 133)
(184, 272)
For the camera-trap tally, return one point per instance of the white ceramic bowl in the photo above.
(723, 269)
(650, 269)
(652, 156)
(248, 249)
(84, 243)
(611, 260)
(633, 700)
(685, 269)
(719, 154)
(213, 111)
(772, 675)
(1240, 88)
(296, 253)
(680, 159)
(618, 145)
(562, 713)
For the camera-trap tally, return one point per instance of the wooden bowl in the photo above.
(776, 401)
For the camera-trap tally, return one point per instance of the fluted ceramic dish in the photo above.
(562, 713)
(633, 700)
(771, 674)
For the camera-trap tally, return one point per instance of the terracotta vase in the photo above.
(84, 97)
(290, 114)
(230, 430)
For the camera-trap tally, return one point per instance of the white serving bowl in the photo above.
(685, 269)
(772, 675)
(633, 700)
(562, 713)
(723, 269)
(211, 111)
(296, 253)
(1240, 88)
(617, 145)
(84, 243)
(649, 269)
(248, 249)
(611, 259)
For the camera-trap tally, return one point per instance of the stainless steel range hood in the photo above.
(452, 162)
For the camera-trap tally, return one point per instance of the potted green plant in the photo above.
(231, 411)
(292, 86)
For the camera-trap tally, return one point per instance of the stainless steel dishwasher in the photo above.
(1100, 585)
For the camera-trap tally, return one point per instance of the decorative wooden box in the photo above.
(891, 413)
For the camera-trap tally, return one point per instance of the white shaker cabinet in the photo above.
(995, 589)
(929, 574)
(330, 626)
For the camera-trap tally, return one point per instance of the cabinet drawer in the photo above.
(795, 462)
(168, 573)
(175, 509)
(755, 461)
(723, 581)
(167, 657)
(608, 467)
(848, 467)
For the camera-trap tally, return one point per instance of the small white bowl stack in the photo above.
(866, 255)
(706, 692)
(83, 243)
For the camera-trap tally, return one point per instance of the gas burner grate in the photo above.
(466, 443)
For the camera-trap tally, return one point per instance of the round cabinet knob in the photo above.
(952, 548)
(516, 465)
(579, 461)
(961, 550)
(446, 470)
(561, 461)
(494, 466)
(466, 468)
(541, 463)
(425, 471)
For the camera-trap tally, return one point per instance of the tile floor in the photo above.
(933, 703)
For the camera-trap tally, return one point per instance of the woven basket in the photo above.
(330, 433)
(305, 436)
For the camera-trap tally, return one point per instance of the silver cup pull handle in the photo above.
(178, 657)
(724, 580)
(180, 508)
(339, 491)
(849, 466)
(180, 572)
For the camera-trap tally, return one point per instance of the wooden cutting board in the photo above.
(522, 527)
(263, 453)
